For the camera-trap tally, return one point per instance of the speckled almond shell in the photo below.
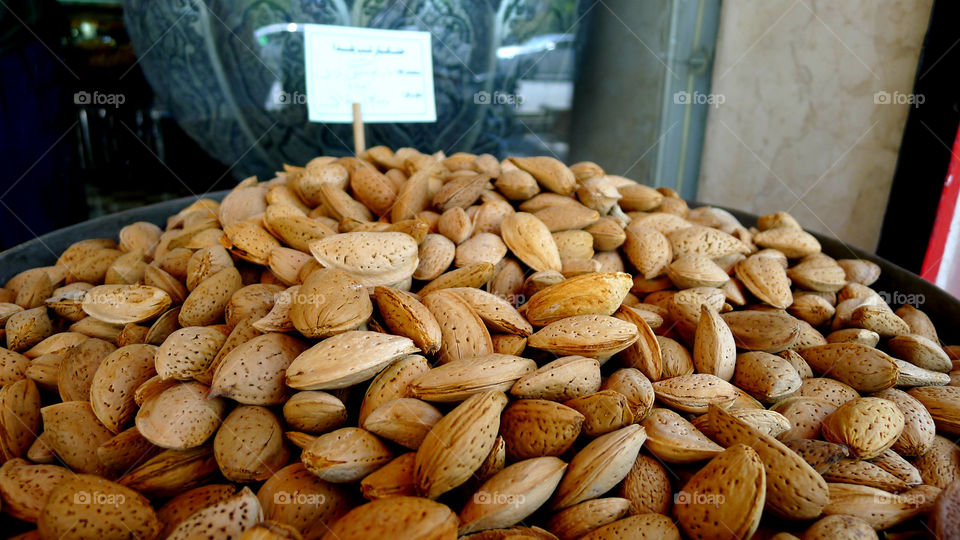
(600, 465)
(729, 492)
(794, 243)
(694, 393)
(596, 336)
(530, 241)
(345, 455)
(253, 372)
(227, 518)
(562, 379)
(537, 427)
(249, 445)
(525, 486)
(873, 370)
(411, 517)
(205, 263)
(181, 417)
(589, 294)
(116, 380)
(405, 421)
(447, 457)
(71, 509)
(673, 439)
(206, 303)
(374, 258)
(919, 428)
(794, 489)
(74, 433)
(405, 315)
(20, 418)
(549, 172)
(330, 301)
(25, 486)
(326, 366)
(766, 278)
(463, 334)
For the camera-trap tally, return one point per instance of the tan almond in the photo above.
(253, 373)
(446, 458)
(850, 422)
(321, 367)
(562, 379)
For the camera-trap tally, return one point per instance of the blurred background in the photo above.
(844, 114)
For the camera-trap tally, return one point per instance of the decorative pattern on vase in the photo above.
(232, 73)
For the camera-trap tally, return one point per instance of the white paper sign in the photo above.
(389, 72)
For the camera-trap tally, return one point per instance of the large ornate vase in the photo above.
(232, 72)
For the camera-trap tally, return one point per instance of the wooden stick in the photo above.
(359, 143)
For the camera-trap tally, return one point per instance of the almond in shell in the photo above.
(313, 411)
(292, 494)
(73, 432)
(673, 439)
(206, 303)
(599, 466)
(72, 510)
(230, 517)
(695, 393)
(249, 445)
(116, 379)
(725, 498)
(412, 517)
(345, 455)
(395, 479)
(867, 426)
(919, 428)
(589, 294)
(24, 487)
(329, 302)
(520, 490)
(253, 373)
(374, 258)
(530, 241)
(595, 336)
(20, 418)
(537, 427)
(181, 416)
(794, 488)
(562, 379)
(463, 333)
(864, 368)
(447, 458)
(322, 367)
(459, 379)
(405, 421)
(580, 519)
(188, 352)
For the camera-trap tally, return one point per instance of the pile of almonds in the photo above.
(401, 345)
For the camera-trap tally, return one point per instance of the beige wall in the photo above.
(799, 129)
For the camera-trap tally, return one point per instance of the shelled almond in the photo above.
(407, 345)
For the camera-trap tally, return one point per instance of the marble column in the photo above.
(815, 96)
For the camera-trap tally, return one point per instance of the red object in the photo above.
(945, 216)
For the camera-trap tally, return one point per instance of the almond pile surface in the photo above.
(402, 345)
